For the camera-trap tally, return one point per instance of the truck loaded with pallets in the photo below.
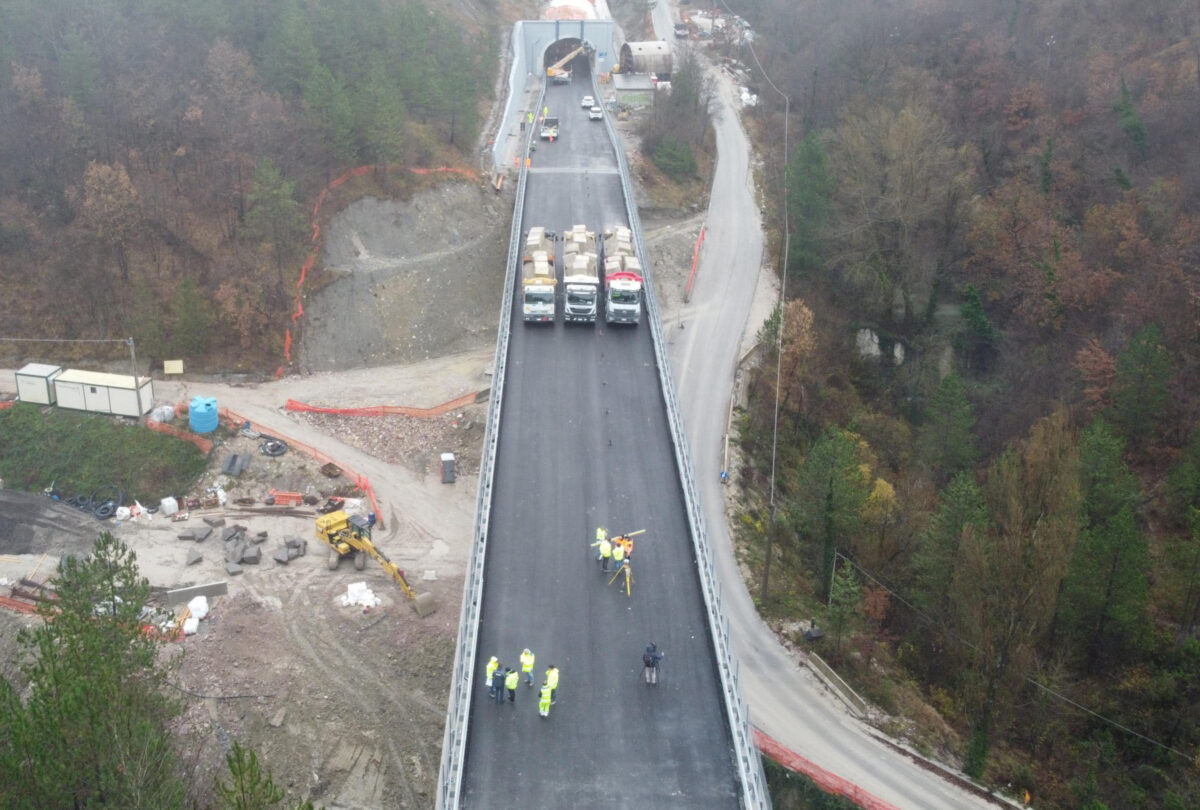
(538, 279)
(622, 277)
(581, 277)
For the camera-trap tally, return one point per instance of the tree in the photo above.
(95, 728)
(1140, 390)
(249, 787)
(1104, 596)
(810, 187)
(111, 210)
(844, 597)
(192, 321)
(947, 444)
(675, 158)
(832, 489)
(979, 340)
(289, 52)
(1008, 575)
(274, 217)
(896, 201)
(329, 101)
(385, 127)
(1131, 122)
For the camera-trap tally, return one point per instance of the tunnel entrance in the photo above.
(565, 57)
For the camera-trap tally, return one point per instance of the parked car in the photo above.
(595, 113)
(587, 102)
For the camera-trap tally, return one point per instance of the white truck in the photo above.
(538, 280)
(622, 277)
(581, 277)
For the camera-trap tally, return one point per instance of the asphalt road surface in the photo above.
(584, 442)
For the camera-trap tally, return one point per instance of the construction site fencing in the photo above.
(361, 482)
(754, 782)
(462, 678)
(204, 444)
(393, 410)
(826, 781)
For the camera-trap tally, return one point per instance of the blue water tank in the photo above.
(202, 414)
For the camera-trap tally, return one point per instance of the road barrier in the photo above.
(826, 781)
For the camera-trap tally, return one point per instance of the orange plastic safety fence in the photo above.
(7, 404)
(385, 410)
(158, 427)
(360, 481)
(826, 781)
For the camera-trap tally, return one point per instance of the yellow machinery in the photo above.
(559, 74)
(350, 535)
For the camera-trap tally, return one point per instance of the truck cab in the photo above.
(549, 129)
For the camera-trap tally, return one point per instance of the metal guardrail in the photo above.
(754, 782)
(462, 678)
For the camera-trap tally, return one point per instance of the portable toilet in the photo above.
(35, 383)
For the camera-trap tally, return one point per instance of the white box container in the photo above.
(35, 383)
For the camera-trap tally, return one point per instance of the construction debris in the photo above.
(194, 557)
(181, 596)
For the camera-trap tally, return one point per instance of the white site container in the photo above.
(35, 383)
(104, 393)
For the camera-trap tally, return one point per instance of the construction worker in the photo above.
(544, 700)
(510, 683)
(492, 665)
(552, 682)
(498, 683)
(626, 542)
(603, 548)
(650, 660)
(527, 659)
(618, 553)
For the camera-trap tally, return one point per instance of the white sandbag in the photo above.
(163, 413)
(122, 513)
(199, 607)
(190, 625)
(168, 506)
(357, 593)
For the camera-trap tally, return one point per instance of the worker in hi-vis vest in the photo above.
(527, 659)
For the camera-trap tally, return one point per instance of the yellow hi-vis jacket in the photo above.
(511, 680)
(527, 661)
(491, 668)
(552, 677)
(618, 552)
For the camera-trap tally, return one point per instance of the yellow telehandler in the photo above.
(350, 535)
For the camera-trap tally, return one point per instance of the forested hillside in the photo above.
(987, 477)
(158, 160)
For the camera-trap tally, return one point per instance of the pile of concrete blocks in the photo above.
(241, 548)
(292, 548)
